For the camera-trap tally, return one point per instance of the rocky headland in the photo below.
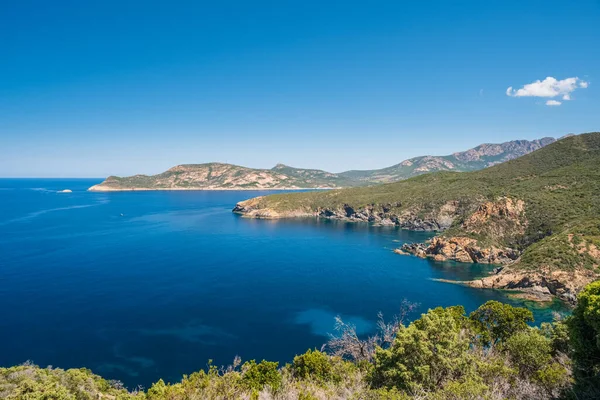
(536, 217)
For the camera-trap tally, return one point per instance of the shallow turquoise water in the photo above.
(138, 286)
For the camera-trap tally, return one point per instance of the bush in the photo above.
(495, 322)
(314, 365)
(256, 376)
(528, 351)
(424, 355)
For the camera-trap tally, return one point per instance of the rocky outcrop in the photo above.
(389, 215)
(438, 219)
(252, 209)
(542, 282)
(461, 249)
(502, 219)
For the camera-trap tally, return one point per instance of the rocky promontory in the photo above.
(536, 216)
(461, 249)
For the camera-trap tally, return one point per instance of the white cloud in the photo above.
(549, 87)
(553, 103)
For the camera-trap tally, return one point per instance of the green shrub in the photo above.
(425, 354)
(528, 351)
(553, 376)
(314, 365)
(496, 322)
(584, 333)
(256, 376)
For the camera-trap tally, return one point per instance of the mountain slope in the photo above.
(214, 176)
(218, 176)
(540, 214)
(482, 156)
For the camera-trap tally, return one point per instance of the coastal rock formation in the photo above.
(461, 249)
(500, 218)
(543, 282)
(438, 219)
(251, 209)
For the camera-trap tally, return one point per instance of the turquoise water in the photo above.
(139, 286)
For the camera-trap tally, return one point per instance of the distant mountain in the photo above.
(219, 176)
(482, 156)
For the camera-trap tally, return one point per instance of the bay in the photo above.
(139, 286)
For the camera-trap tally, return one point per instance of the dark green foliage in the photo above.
(495, 322)
(558, 334)
(314, 365)
(528, 350)
(428, 352)
(256, 376)
(584, 330)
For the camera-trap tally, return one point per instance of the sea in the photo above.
(138, 286)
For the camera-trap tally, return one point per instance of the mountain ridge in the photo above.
(223, 176)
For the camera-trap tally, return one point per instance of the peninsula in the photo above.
(220, 176)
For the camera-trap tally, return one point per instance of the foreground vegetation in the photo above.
(490, 354)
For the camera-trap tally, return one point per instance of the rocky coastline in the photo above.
(499, 219)
(461, 249)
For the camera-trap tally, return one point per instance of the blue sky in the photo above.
(90, 89)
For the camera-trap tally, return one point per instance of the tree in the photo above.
(495, 322)
(424, 355)
(584, 332)
(529, 351)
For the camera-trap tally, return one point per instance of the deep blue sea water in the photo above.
(139, 286)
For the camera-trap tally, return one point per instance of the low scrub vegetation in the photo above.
(492, 353)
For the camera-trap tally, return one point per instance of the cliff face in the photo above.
(219, 176)
(461, 249)
(415, 219)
